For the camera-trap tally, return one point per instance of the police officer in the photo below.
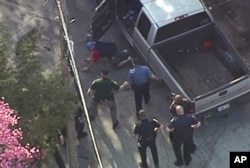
(100, 49)
(102, 89)
(139, 77)
(180, 100)
(186, 104)
(145, 132)
(182, 127)
(79, 123)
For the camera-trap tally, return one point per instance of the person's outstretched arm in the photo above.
(86, 68)
(154, 77)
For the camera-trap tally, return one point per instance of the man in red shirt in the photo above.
(100, 49)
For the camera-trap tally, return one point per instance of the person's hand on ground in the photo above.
(88, 59)
(84, 69)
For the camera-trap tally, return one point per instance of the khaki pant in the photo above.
(110, 103)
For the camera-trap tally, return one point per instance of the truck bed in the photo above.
(199, 70)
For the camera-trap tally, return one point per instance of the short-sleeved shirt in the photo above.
(145, 129)
(95, 55)
(103, 49)
(139, 75)
(103, 88)
(185, 104)
(182, 126)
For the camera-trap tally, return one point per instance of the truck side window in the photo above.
(144, 25)
(181, 26)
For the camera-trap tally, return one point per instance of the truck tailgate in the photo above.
(222, 95)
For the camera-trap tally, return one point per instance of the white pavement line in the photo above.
(70, 46)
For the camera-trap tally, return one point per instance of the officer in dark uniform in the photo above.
(186, 104)
(145, 132)
(139, 77)
(182, 127)
(79, 123)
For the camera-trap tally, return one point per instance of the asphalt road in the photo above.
(219, 135)
(118, 149)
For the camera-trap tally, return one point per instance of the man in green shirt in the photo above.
(102, 90)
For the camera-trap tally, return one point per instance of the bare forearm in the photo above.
(169, 130)
(86, 68)
(90, 92)
(154, 77)
(196, 125)
(124, 85)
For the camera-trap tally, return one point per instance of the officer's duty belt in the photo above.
(150, 138)
(102, 100)
(144, 84)
(146, 139)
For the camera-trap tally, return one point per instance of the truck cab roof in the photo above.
(167, 11)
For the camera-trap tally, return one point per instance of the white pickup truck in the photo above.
(181, 42)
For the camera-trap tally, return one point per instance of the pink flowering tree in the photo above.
(12, 153)
(43, 99)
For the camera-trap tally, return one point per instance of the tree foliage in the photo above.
(43, 103)
(12, 153)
